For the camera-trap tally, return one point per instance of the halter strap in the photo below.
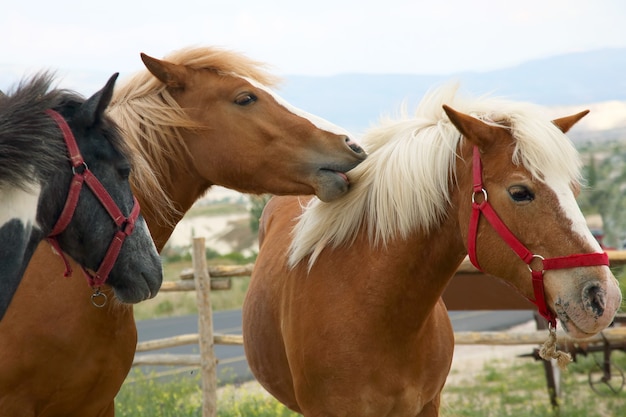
(83, 175)
(564, 262)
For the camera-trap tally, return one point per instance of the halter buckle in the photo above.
(483, 191)
(127, 227)
(530, 268)
(80, 169)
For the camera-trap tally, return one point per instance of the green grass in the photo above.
(520, 390)
(234, 402)
(149, 397)
(499, 389)
(142, 395)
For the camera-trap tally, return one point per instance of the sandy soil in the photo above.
(209, 227)
(470, 359)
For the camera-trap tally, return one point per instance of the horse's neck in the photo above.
(184, 194)
(426, 265)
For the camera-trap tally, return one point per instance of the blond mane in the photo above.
(153, 122)
(403, 185)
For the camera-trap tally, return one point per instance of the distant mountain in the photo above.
(585, 77)
(356, 101)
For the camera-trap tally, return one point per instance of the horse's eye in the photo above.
(520, 193)
(245, 99)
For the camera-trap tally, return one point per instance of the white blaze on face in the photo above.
(572, 211)
(317, 121)
(16, 203)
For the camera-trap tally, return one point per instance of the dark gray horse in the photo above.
(64, 176)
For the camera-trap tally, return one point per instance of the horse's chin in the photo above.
(133, 295)
(574, 331)
(579, 329)
(133, 298)
(331, 185)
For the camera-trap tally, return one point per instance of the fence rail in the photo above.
(460, 338)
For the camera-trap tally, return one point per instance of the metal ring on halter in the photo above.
(484, 195)
(85, 168)
(531, 261)
(97, 294)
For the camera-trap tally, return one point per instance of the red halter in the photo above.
(570, 261)
(82, 175)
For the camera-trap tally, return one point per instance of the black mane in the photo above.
(31, 143)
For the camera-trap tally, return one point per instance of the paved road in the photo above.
(232, 366)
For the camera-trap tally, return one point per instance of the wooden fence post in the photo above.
(205, 329)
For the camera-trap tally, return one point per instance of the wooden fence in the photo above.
(206, 279)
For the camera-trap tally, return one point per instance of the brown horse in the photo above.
(344, 317)
(201, 117)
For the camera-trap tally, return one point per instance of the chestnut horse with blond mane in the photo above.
(344, 316)
(201, 117)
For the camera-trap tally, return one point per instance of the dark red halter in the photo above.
(570, 261)
(82, 175)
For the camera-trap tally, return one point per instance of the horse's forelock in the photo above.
(545, 151)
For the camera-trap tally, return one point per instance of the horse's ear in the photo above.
(93, 108)
(566, 123)
(172, 75)
(476, 131)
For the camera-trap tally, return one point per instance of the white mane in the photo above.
(403, 185)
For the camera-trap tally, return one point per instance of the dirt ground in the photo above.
(470, 359)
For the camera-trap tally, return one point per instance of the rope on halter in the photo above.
(549, 351)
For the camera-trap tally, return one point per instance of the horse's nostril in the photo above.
(353, 145)
(594, 300)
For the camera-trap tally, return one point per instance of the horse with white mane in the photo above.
(344, 316)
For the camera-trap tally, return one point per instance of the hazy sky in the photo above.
(317, 37)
